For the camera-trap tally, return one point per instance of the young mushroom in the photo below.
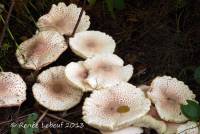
(89, 43)
(76, 74)
(106, 70)
(128, 130)
(41, 50)
(53, 92)
(12, 89)
(115, 107)
(62, 18)
(168, 94)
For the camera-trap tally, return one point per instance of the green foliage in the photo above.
(191, 110)
(119, 4)
(91, 2)
(197, 75)
(111, 5)
(180, 4)
(1, 8)
(31, 120)
(30, 127)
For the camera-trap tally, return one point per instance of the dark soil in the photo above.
(159, 37)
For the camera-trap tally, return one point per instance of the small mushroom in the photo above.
(41, 50)
(188, 128)
(128, 130)
(12, 89)
(106, 70)
(148, 121)
(168, 94)
(89, 43)
(53, 92)
(115, 107)
(62, 18)
(76, 74)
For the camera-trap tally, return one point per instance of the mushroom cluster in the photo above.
(114, 105)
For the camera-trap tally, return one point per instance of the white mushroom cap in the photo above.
(168, 94)
(89, 43)
(40, 50)
(148, 121)
(107, 70)
(76, 74)
(128, 130)
(12, 89)
(62, 18)
(53, 92)
(188, 128)
(115, 107)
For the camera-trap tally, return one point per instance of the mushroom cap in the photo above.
(168, 94)
(12, 89)
(41, 50)
(89, 43)
(76, 74)
(107, 70)
(128, 130)
(53, 92)
(148, 121)
(62, 18)
(188, 128)
(115, 107)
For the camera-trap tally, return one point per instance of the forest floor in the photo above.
(158, 37)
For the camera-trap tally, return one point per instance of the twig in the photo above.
(79, 19)
(6, 22)
(42, 116)
(56, 117)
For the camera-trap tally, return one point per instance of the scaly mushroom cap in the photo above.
(40, 50)
(53, 92)
(89, 43)
(12, 89)
(62, 18)
(115, 107)
(107, 70)
(188, 128)
(168, 94)
(76, 74)
(128, 130)
(148, 121)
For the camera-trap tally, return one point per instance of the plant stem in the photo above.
(6, 22)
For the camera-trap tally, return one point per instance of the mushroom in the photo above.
(128, 130)
(172, 128)
(188, 128)
(89, 43)
(76, 74)
(115, 107)
(41, 50)
(62, 18)
(148, 121)
(106, 70)
(168, 94)
(12, 89)
(53, 92)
